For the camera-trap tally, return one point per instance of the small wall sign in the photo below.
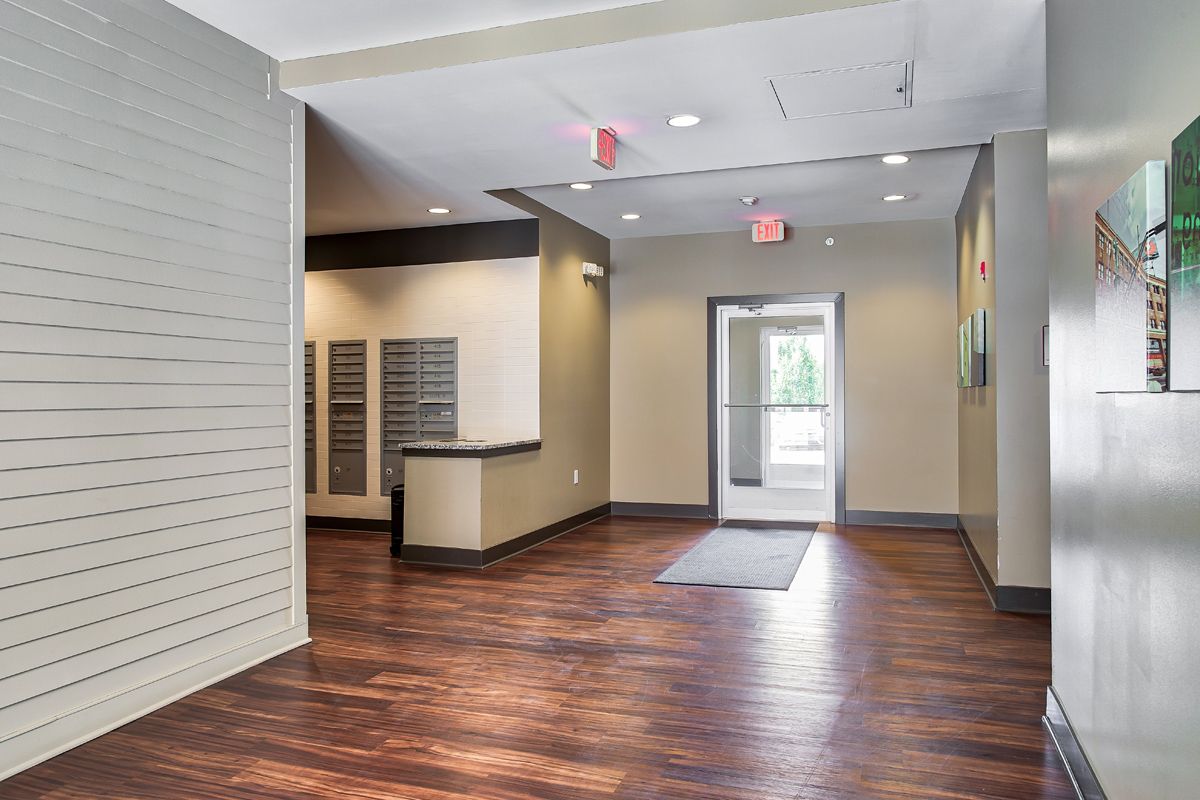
(604, 147)
(772, 231)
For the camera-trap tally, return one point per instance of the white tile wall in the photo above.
(490, 306)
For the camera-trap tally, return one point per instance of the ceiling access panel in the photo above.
(851, 90)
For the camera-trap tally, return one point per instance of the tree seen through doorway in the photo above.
(797, 376)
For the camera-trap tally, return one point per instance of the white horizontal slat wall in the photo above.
(151, 235)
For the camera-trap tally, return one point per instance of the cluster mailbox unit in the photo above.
(310, 417)
(418, 402)
(418, 399)
(348, 417)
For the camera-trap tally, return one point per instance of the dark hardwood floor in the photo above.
(566, 674)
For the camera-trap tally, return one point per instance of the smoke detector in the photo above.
(748, 200)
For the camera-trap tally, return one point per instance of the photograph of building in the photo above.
(1130, 272)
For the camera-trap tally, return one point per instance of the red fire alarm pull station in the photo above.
(604, 147)
(772, 231)
(983, 270)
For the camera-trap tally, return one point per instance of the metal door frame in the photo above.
(838, 299)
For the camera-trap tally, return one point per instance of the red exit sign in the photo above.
(604, 147)
(767, 231)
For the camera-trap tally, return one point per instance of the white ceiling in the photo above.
(292, 29)
(381, 151)
(813, 193)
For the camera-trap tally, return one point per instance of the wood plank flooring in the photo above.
(566, 674)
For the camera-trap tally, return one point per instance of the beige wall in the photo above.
(490, 306)
(976, 236)
(507, 498)
(574, 340)
(449, 512)
(1004, 438)
(901, 426)
(469, 503)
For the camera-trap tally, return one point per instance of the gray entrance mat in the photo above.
(742, 558)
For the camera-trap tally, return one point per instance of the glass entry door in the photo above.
(776, 399)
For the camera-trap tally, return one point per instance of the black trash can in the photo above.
(397, 520)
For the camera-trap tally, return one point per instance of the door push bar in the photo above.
(776, 405)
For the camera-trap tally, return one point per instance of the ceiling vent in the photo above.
(876, 87)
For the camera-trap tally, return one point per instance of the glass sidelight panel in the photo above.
(794, 440)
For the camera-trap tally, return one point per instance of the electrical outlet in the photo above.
(576, 477)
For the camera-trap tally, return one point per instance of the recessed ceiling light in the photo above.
(683, 120)
(631, 217)
(439, 211)
(581, 187)
(895, 198)
(896, 159)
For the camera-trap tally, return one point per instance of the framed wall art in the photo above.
(1131, 285)
(972, 350)
(1184, 289)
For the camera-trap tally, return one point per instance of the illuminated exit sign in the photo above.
(604, 147)
(767, 231)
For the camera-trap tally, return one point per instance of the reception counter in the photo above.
(460, 508)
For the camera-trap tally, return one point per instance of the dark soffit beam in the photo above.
(406, 247)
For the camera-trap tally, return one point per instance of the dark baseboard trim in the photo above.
(348, 524)
(712, 315)
(903, 519)
(1011, 599)
(1023, 599)
(478, 559)
(677, 510)
(1083, 777)
(441, 556)
(512, 547)
(977, 564)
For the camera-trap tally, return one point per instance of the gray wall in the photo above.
(1021, 278)
(1125, 497)
(901, 427)
(150, 314)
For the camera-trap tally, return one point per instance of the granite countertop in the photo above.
(471, 448)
